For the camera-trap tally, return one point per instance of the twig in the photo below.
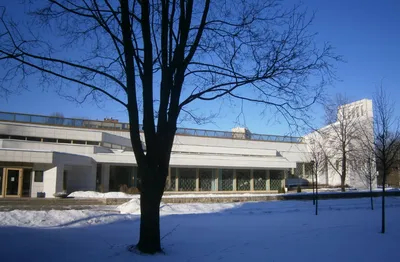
(170, 232)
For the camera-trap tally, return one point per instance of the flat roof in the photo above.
(119, 126)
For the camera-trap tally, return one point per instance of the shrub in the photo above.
(100, 188)
(133, 191)
(281, 190)
(123, 188)
(298, 189)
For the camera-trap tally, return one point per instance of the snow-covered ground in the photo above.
(344, 230)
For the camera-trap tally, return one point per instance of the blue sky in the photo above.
(365, 33)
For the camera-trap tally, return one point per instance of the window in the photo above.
(17, 137)
(30, 138)
(92, 143)
(64, 141)
(38, 176)
(50, 140)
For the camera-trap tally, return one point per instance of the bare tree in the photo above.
(317, 160)
(160, 59)
(365, 164)
(339, 137)
(387, 139)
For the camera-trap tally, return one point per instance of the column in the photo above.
(197, 180)
(284, 178)
(215, 177)
(251, 180)
(268, 180)
(105, 177)
(234, 184)
(168, 183)
(304, 170)
(177, 179)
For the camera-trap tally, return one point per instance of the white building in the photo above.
(42, 154)
(352, 132)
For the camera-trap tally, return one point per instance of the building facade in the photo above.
(351, 134)
(42, 155)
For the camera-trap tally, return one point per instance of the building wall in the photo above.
(81, 178)
(38, 186)
(357, 117)
(52, 182)
(22, 129)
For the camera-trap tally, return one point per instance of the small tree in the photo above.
(317, 159)
(387, 139)
(365, 165)
(339, 136)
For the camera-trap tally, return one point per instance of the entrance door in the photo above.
(13, 182)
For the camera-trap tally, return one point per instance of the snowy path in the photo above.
(345, 230)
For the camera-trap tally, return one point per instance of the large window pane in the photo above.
(187, 179)
(226, 180)
(170, 184)
(12, 182)
(260, 181)
(206, 179)
(276, 177)
(26, 183)
(121, 175)
(243, 180)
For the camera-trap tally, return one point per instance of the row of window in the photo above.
(50, 140)
(355, 112)
(185, 179)
(65, 141)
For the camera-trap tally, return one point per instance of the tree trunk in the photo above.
(343, 182)
(150, 199)
(344, 169)
(313, 192)
(383, 202)
(316, 193)
(370, 191)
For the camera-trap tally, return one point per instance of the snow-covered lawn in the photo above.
(93, 194)
(345, 230)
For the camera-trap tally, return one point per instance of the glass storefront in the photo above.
(122, 176)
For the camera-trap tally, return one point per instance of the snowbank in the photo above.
(93, 194)
(130, 207)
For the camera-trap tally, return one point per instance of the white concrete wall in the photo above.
(32, 145)
(38, 186)
(360, 128)
(21, 129)
(117, 140)
(53, 179)
(20, 155)
(35, 186)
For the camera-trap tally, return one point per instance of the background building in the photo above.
(49, 154)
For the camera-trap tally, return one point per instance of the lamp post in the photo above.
(316, 188)
(312, 180)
